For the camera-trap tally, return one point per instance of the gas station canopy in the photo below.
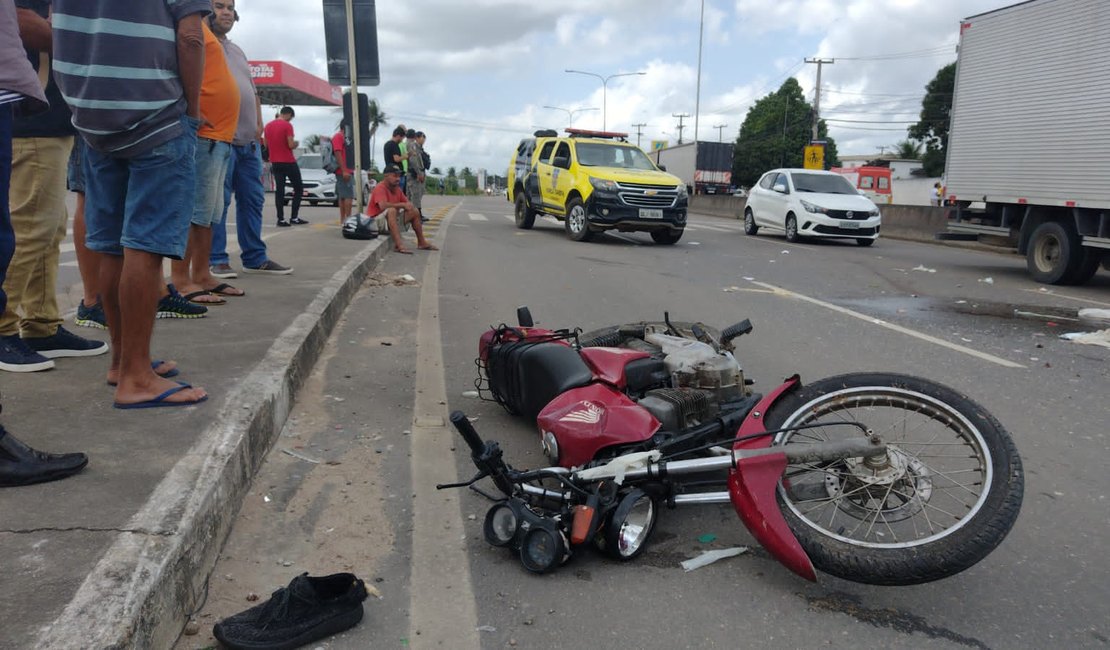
(281, 84)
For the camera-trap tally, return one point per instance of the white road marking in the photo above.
(1067, 297)
(510, 217)
(477, 217)
(891, 326)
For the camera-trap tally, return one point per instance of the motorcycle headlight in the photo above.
(630, 525)
(603, 184)
(812, 207)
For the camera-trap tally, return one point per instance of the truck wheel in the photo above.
(1088, 267)
(791, 228)
(525, 215)
(1055, 253)
(666, 237)
(749, 223)
(577, 225)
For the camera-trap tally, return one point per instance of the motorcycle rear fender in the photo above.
(752, 485)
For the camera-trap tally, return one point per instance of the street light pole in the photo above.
(570, 113)
(604, 84)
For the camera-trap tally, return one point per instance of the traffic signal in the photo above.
(363, 125)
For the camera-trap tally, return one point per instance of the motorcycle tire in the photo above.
(612, 336)
(950, 492)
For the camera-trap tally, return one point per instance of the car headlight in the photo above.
(603, 184)
(873, 213)
(810, 207)
(682, 192)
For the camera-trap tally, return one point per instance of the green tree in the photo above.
(908, 150)
(775, 133)
(377, 118)
(312, 142)
(932, 128)
(435, 170)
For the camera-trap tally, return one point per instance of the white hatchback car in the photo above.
(811, 203)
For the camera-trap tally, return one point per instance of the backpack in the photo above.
(327, 154)
(360, 226)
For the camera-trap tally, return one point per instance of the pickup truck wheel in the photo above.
(749, 223)
(666, 237)
(862, 241)
(1055, 253)
(791, 228)
(525, 215)
(577, 225)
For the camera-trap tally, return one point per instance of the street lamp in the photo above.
(570, 113)
(604, 83)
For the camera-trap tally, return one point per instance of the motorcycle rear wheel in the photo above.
(945, 496)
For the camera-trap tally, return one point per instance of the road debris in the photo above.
(709, 557)
(299, 455)
(1101, 337)
(923, 268)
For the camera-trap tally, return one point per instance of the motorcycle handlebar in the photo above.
(466, 430)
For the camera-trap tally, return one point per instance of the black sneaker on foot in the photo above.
(298, 221)
(282, 223)
(91, 316)
(15, 356)
(307, 610)
(22, 465)
(176, 306)
(270, 267)
(64, 343)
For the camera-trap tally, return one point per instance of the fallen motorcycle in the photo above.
(872, 477)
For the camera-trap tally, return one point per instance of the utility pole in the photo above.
(817, 93)
(680, 117)
(720, 128)
(638, 132)
(697, 95)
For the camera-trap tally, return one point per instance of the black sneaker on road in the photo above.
(307, 610)
(269, 266)
(22, 465)
(64, 343)
(298, 221)
(15, 356)
(175, 305)
(91, 316)
(282, 223)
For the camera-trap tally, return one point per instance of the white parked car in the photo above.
(319, 185)
(811, 203)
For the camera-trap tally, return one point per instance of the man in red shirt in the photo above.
(387, 199)
(279, 139)
(344, 187)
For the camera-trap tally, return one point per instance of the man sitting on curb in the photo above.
(388, 200)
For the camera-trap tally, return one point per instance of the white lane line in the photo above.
(706, 226)
(1067, 297)
(891, 326)
(442, 611)
(510, 217)
(477, 217)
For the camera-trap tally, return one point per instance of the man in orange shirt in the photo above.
(389, 200)
(219, 110)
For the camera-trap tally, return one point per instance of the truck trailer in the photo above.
(1029, 136)
(705, 167)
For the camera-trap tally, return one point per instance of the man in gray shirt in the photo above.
(244, 172)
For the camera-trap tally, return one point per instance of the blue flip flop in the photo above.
(173, 372)
(160, 400)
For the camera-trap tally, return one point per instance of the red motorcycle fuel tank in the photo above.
(608, 364)
(752, 485)
(585, 420)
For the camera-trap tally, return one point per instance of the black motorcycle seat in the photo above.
(528, 375)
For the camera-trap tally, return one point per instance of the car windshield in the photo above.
(823, 184)
(612, 155)
(311, 161)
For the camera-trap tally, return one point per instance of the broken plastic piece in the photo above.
(709, 557)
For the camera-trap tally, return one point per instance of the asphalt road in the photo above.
(819, 309)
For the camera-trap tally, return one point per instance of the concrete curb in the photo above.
(153, 575)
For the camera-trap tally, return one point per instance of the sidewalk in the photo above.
(117, 555)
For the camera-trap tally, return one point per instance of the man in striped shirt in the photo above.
(131, 73)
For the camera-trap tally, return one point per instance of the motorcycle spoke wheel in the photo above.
(945, 494)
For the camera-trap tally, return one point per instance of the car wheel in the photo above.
(666, 237)
(313, 202)
(525, 215)
(577, 225)
(749, 223)
(791, 228)
(865, 242)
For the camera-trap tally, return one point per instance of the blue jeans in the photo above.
(211, 164)
(7, 235)
(244, 182)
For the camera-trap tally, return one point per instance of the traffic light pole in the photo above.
(356, 136)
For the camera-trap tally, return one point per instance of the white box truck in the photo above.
(1029, 136)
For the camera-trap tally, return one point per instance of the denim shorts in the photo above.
(211, 170)
(143, 202)
(75, 173)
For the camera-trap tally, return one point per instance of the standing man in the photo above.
(19, 87)
(31, 332)
(283, 164)
(131, 73)
(416, 173)
(392, 148)
(389, 201)
(244, 169)
(219, 104)
(344, 185)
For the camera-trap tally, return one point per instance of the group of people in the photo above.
(147, 111)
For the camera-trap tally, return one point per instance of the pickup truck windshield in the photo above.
(612, 155)
(823, 184)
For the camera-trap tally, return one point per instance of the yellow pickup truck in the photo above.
(594, 181)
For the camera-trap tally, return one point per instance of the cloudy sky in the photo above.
(476, 75)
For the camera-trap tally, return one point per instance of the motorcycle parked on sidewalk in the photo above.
(873, 477)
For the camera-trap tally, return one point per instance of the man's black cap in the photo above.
(411, 133)
(391, 169)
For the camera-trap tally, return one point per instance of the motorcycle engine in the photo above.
(702, 381)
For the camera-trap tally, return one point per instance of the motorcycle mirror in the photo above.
(524, 317)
